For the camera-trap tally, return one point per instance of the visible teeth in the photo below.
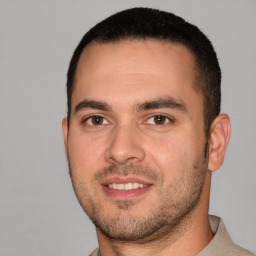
(136, 185)
(120, 186)
(126, 186)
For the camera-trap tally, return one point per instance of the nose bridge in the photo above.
(125, 145)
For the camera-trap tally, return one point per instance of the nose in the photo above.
(125, 146)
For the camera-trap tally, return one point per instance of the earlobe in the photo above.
(218, 141)
(65, 132)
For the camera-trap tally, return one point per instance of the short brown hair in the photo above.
(146, 23)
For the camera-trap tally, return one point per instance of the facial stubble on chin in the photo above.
(176, 201)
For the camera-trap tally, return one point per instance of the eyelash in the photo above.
(91, 122)
(165, 118)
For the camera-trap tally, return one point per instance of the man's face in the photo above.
(136, 141)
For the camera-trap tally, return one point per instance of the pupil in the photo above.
(159, 119)
(96, 120)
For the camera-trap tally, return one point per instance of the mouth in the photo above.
(125, 188)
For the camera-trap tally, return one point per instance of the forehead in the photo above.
(135, 70)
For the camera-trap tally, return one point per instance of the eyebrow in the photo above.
(168, 102)
(93, 104)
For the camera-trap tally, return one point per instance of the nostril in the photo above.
(132, 156)
(124, 146)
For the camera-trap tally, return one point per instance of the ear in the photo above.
(65, 133)
(218, 141)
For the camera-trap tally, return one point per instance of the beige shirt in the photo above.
(220, 245)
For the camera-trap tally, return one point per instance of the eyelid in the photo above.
(107, 122)
(85, 120)
(168, 119)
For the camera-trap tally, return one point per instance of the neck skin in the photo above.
(190, 236)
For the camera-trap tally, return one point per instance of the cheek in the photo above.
(85, 154)
(171, 155)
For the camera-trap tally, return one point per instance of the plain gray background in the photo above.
(39, 212)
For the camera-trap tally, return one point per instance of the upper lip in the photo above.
(124, 179)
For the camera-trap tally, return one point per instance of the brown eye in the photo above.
(159, 119)
(97, 120)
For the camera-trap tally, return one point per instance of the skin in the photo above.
(116, 82)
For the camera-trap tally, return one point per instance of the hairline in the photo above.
(197, 83)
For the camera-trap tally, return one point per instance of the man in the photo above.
(144, 133)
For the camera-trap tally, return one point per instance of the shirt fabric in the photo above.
(220, 245)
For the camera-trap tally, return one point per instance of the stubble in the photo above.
(176, 202)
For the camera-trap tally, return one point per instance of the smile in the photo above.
(126, 186)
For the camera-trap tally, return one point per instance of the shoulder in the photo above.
(222, 244)
(237, 250)
(95, 252)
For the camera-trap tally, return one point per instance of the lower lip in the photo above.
(125, 194)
